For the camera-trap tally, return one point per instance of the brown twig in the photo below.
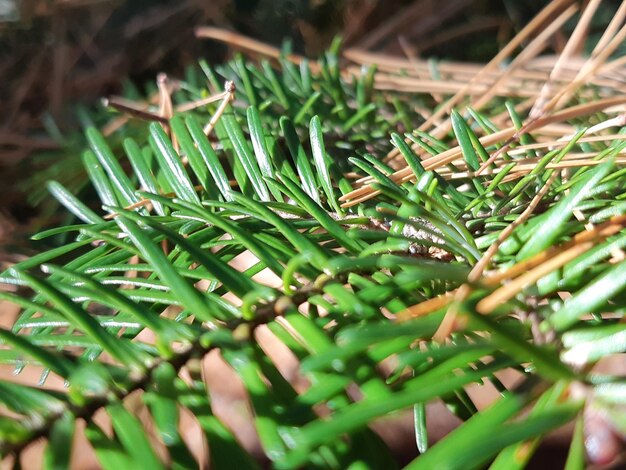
(131, 108)
(229, 90)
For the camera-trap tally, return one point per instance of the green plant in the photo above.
(473, 257)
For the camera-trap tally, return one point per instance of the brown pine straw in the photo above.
(448, 323)
(394, 82)
(463, 71)
(521, 171)
(472, 81)
(477, 75)
(598, 234)
(529, 51)
(572, 159)
(510, 289)
(533, 124)
(532, 75)
(540, 265)
(506, 52)
(598, 59)
(482, 82)
(181, 108)
(141, 111)
(239, 41)
(592, 66)
(573, 44)
(509, 135)
(424, 85)
(609, 41)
